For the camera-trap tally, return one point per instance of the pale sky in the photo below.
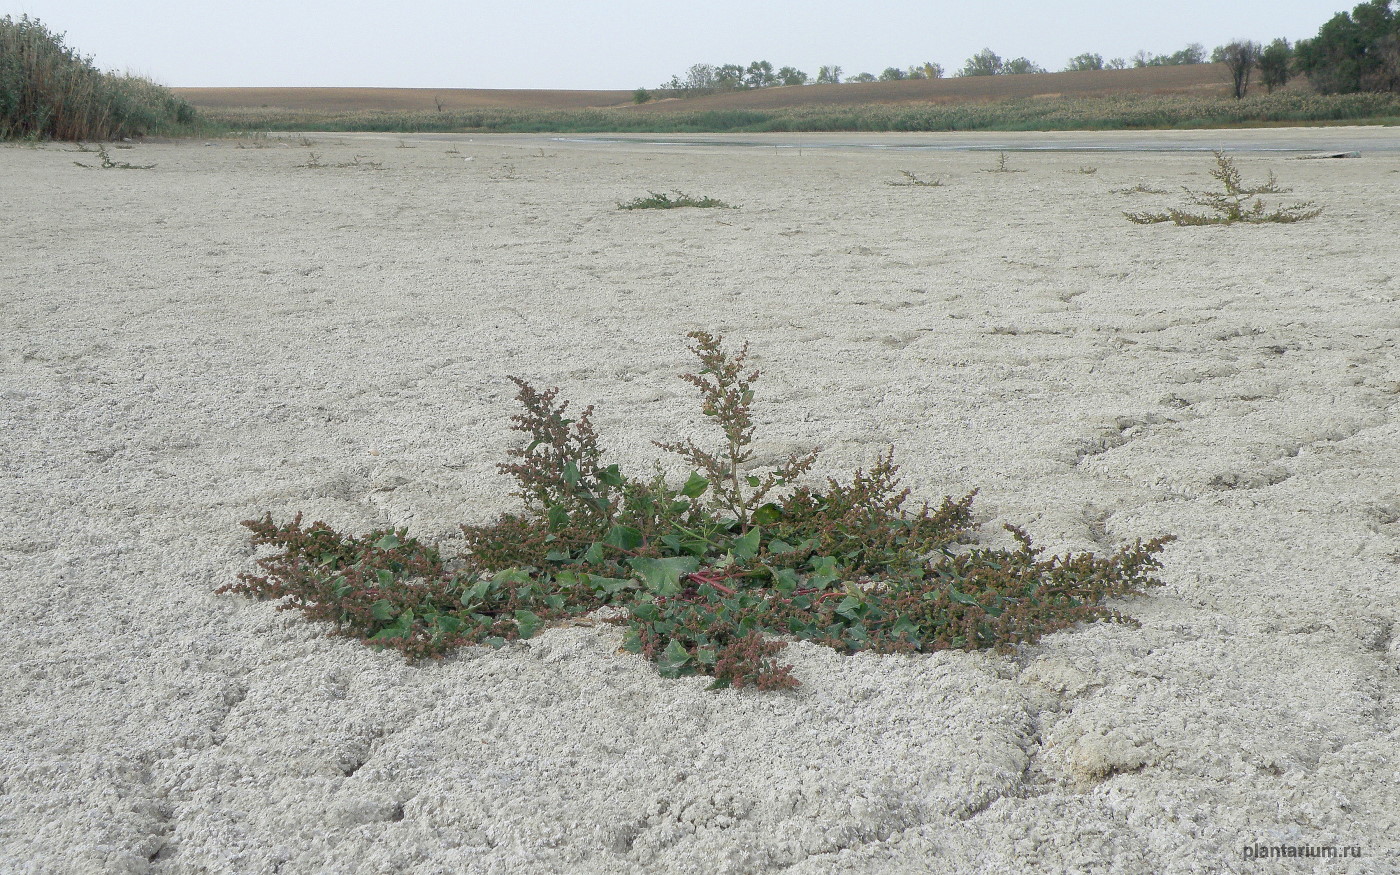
(622, 44)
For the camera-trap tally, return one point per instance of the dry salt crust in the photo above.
(185, 347)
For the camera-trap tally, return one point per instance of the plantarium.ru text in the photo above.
(711, 576)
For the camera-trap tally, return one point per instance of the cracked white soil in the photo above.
(185, 347)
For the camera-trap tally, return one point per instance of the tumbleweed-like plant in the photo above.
(1237, 202)
(663, 201)
(910, 179)
(711, 576)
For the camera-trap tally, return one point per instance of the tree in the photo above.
(1117, 64)
(892, 74)
(1356, 52)
(699, 79)
(829, 75)
(641, 95)
(1021, 65)
(862, 77)
(729, 77)
(932, 70)
(984, 63)
(1239, 57)
(791, 76)
(1274, 61)
(1195, 53)
(1086, 61)
(759, 74)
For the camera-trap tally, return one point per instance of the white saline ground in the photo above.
(185, 347)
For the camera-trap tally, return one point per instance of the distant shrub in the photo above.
(1232, 204)
(661, 201)
(710, 576)
(48, 90)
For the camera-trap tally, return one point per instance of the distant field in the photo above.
(1195, 96)
(1199, 79)
(340, 100)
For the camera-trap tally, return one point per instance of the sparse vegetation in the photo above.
(709, 577)
(1237, 202)
(912, 179)
(1140, 188)
(109, 164)
(314, 162)
(50, 91)
(661, 201)
(1001, 166)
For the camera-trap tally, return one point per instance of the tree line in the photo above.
(1357, 51)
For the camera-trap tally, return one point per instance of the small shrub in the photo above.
(109, 164)
(657, 201)
(1140, 188)
(1001, 166)
(911, 179)
(1233, 204)
(709, 577)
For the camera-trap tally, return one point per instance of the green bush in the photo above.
(1236, 202)
(48, 90)
(662, 201)
(709, 577)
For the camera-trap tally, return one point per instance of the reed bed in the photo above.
(50, 91)
(1039, 114)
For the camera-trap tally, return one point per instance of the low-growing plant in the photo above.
(1001, 166)
(109, 164)
(1140, 188)
(911, 179)
(709, 577)
(1086, 170)
(1237, 202)
(315, 163)
(660, 201)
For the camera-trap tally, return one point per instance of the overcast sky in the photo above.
(622, 44)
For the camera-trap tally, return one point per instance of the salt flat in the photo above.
(184, 347)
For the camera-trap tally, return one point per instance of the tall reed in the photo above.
(50, 91)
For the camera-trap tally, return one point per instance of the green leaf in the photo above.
(595, 553)
(611, 476)
(767, 515)
(558, 517)
(399, 629)
(384, 576)
(571, 475)
(559, 555)
(388, 542)
(673, 659)
(785, 580)
(753, 480)
(623, 537)
(747, 546)
(382, 610)
(527, 622)
(960, 598)
(663, 576)
(850, 607)
(646, 611)
(608, 585)
(824, 571)
(695, 485)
